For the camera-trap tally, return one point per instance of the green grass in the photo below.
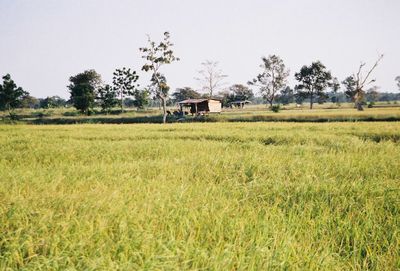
(200, 196)
(253, 113)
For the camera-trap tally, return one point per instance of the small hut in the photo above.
(201, 106)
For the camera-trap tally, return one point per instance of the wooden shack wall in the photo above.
(214, 106)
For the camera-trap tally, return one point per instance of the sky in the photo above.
(44, 42)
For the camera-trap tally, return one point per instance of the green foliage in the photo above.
(286, 96)
(158, 55)
(241, 92)
(350, 87)
(275, 108)
(124, 82)
(11, 95)
(313, 80)
(185, 93)
(236, 92)
(272, 79)
(28, 101)
(210, 196)
(52, 102)
(83, 87)
(372, 94)
(142, 98)
(226, 98)
(107, 98)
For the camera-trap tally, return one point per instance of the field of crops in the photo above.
(251, 113)
(200, 196)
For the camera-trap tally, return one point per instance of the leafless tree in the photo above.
(361, 82)
(211, 77)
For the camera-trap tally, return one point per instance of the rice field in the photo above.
(200, 196)
(251, 113)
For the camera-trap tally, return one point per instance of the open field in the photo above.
(205, 196)
(252, 113)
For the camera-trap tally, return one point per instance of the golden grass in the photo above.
(203, 196)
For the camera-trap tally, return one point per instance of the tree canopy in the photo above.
(124, 82)
(313, 80)
(185, 93)
(10, 94)
(272, 79)
(107, 97)
(241, 92)
(83, 87)
(156, 56)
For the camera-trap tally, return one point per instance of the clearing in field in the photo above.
(214, 196)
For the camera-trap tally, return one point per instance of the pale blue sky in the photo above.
(44, 42)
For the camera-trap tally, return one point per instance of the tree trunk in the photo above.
(359, 97)
(270, 104)
(359, 106)
(311, 101)
(122, 102)
(164, 106)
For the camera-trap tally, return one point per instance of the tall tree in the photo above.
(142, 97)
(107, 98)
(241, 92)
(10, 94)
(124, 81)
(286, 96)
(272, 79)
(350, 86)
(335, 89)
(157, 55)
(83, 87)
(185, 93)
(360, 81)
(313, 80)
(211, 77)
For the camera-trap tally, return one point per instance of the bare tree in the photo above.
(360, 82)
(211, 77)
(272, 79)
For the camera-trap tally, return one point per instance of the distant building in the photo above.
(201, 106)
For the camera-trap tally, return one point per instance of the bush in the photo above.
(371, 104)
(276, 108)
(13, 116)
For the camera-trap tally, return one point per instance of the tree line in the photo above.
(87, 89)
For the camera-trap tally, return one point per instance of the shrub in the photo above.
(275, 108)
